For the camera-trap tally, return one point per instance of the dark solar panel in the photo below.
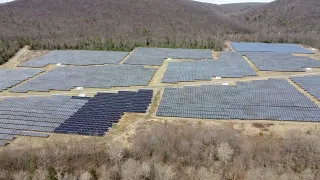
(103, 110)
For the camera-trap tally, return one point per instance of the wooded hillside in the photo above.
(125, 24)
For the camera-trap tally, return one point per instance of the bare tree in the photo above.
(132, 170)
(115, 150)
(164, 172)
(225, 152)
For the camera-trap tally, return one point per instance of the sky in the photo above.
(209, 1)
(3, 1)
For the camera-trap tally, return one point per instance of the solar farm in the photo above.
(87, 93)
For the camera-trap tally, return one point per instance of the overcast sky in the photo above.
(3, 1)
(209, 1)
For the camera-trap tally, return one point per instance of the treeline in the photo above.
(165, 151)
(8, 49)
(100, 43)
(268, 36)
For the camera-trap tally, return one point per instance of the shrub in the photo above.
(52, 173)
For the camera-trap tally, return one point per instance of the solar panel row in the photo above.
(76, 57)
(12, 77)
(10, 135)
(266, 47)
(66, 78)
(310, 84)
(34, 134)
(269, 61)
(230, 65)
(102, 111)
(274, 99)
(140, 101)
(41, 114)
(156, 56)
(7, 135)
(34, 114)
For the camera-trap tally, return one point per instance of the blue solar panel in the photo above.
(265, 47)
(101, 111)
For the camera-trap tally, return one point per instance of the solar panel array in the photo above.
(41, 114)
(77, 57)
(230, 65)
(66, 78)
(310, 84)
(156, 56)
(102, 111)
(37, 116)
(12, 77)
(19, 116)
(266, 47)
(267, 61)
(274, 99)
